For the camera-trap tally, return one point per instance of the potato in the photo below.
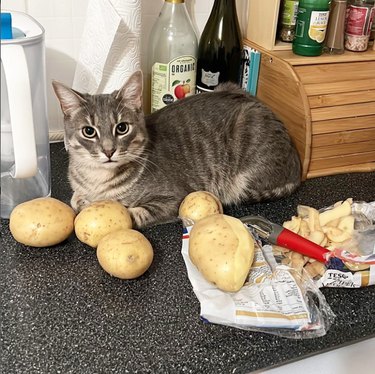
(199, 204)
(222, 249)
(125, 254)
(99, 219)
(41, 222)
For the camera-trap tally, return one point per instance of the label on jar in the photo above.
(318, 25)
(290, 12)
(172, 81)
(358, 27)
(356, 20)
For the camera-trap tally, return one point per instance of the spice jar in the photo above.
(288, 16)
(334, 40)
(372, 33)
(359, 18)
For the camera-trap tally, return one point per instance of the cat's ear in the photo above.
(131, 92)
(70, 100)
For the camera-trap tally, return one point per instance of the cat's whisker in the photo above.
(118, 106)
(147, 156)
(143, 161)
(85, 106)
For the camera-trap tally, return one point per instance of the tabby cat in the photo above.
(225, 142)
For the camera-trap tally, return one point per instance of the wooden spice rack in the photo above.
(262, 24)
(327, 104)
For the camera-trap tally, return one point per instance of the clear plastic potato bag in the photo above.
(350, 238)
(275, 298)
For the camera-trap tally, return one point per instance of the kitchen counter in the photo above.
(61, 313)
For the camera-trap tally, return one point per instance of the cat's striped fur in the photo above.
(225, 142)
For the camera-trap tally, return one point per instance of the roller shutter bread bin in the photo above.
(327, 104)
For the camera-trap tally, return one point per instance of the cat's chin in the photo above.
(110, 164)
(113, 164)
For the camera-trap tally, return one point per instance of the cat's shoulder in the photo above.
(229, 87)
(225, 94)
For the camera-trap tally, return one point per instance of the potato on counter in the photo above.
(99, 219)
(222, 249)
(41, 222)
(199, 204)
(125, 254)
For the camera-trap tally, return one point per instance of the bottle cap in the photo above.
(7, 31)
(6, 26)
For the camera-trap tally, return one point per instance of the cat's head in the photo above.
(107, 129)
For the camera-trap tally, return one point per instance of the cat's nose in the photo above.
(109, 152)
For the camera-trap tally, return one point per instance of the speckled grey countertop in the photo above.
(61, 313)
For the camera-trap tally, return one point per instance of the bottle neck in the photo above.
(224, 17)
(223, 13)
(174, 11)
(224, 7)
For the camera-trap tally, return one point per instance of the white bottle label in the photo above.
(318, 25)
(172, 81)
(210, 79)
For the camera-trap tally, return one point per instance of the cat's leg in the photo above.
(78, 202)
(153, 213)
(140, 216)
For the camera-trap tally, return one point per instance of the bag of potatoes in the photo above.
(237, 284)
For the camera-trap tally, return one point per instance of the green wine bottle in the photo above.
(220, 48)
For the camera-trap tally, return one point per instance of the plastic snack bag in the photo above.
(275, 298)
(350, 238)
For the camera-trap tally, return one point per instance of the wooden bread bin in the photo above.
(327, 104)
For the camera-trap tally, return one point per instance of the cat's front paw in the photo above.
(140, 217)
(78, 202)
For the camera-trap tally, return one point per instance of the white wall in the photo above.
(64, 20)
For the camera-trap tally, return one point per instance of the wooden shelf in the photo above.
(325, 58)
(263, 17)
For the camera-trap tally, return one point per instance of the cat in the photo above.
(226, 142)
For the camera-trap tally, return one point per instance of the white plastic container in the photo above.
(25, 154)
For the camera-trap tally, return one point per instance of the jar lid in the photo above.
(7, 31)
(19, 28)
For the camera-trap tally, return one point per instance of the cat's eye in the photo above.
(89, 132)
(122, 128)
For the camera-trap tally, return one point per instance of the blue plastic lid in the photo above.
(7, 31)
(6, 26)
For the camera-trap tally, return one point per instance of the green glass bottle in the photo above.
(220, 47)
(311, 26)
